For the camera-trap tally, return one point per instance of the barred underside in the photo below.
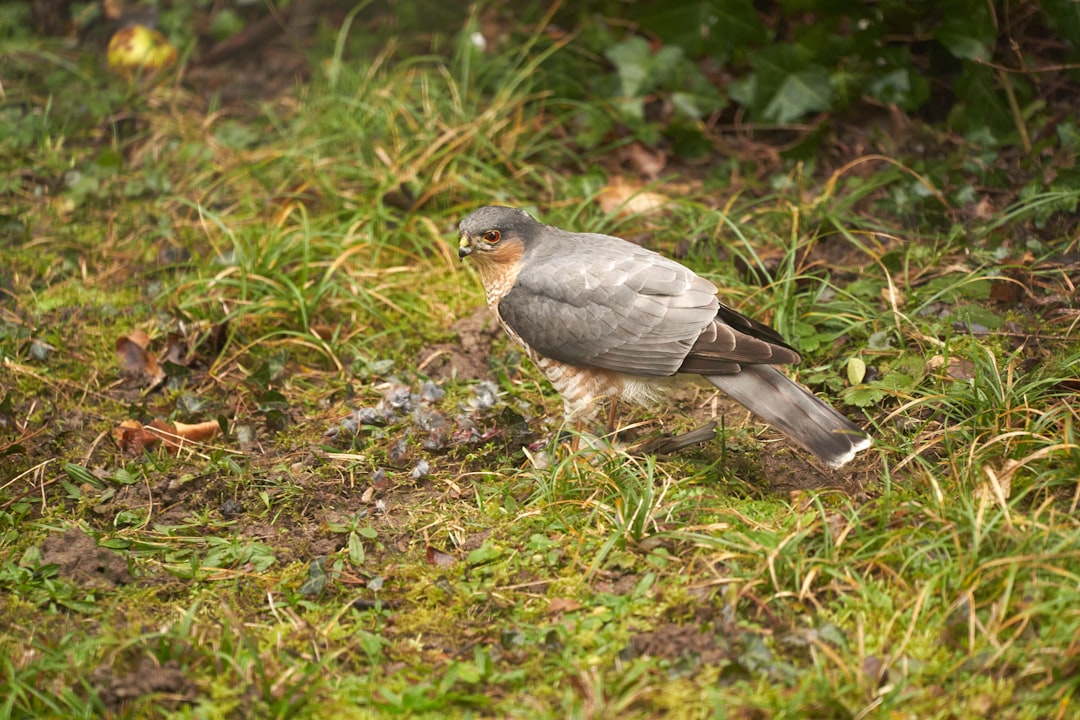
(583, 388)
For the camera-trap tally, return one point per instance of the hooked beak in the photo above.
(465, 247)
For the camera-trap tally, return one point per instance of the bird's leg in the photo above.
(577, 427)
(573, 425)
(613, 407)
(582, 427)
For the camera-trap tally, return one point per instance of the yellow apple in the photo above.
(139, 49)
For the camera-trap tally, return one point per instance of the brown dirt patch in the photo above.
(118, 689)
(467, 359)
(674, 642)
(82, 562)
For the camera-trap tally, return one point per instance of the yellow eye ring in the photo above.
(492, 236)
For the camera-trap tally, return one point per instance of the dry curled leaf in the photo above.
(623, 197)
(1069, 385)
(1006, 291)
(197, 432)
(136, 362)
(135, 438)
(322, 331)
(893, 296)
(647, 162)
(439, 558)
(955, 369)
(558, 606)
(214, 341)
(177, 351)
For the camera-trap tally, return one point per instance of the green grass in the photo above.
(304, 256)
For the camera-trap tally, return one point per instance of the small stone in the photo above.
(231, 508)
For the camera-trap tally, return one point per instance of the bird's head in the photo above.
(496, 234)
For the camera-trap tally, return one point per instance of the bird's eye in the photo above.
(492, 236)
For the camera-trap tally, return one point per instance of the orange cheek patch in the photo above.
(499, 263)
(498, 267)
(505, 254)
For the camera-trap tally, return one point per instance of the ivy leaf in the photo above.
(980, 103)
(971, 314)
(968, 32)
(964, 46)
(895, 82)
(800, 93)
(880, 340)
(632, 59)
(736, 24)
(744, 90)
(697, 105)
(316, 579)
(664, 64)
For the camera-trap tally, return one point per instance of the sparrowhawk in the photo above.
(605, 318)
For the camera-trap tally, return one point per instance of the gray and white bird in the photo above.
(604, 318)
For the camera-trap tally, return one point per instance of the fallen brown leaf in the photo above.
(214, 341)
(624, 197)
(1069, 385)
(958, 369)
(648, 163)
(893, 296)
(198, 432)
(323, 332)
(135, 438)
(984, 209)
(176, 350)
(439, 558)
(136, 362)
(562, 605)
(1005, 291)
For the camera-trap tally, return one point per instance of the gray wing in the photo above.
(609, 304)
(734, 340)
